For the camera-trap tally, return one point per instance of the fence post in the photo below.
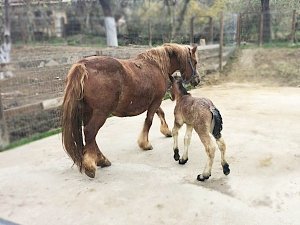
(221, 42)
(261, 29)
(293, 27)
(4, 140)
(150, 33)
(192, 30)
(238, 30)
(211, 30)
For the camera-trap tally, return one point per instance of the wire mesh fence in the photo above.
(33, 83)
(272, 27)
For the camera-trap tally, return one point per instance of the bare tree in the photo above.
(110, 24)
(181, 16)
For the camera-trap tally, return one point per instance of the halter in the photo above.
(193, 74)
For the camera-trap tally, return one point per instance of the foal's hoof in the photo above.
(104, 163)
(226, 169)
(176, 154)
(182, 161)
(200, 177)
(90, 173)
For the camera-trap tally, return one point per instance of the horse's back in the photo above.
(125, 87)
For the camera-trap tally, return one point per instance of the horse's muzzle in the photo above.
(195, 80)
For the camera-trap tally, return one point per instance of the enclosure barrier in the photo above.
(31, 99)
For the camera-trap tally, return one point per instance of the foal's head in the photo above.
(177, 89)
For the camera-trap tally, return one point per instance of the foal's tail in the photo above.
(218, 122)
(72, 113)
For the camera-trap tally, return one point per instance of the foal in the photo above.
(205, 118)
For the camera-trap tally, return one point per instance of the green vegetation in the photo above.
(273, 44)
(35, 137)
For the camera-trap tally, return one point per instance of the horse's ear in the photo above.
(194, 49)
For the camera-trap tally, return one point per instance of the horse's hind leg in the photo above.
(101, 159)
(187, 141)
(222, 146)
(164, 129)
(210, 148)
(92, 154)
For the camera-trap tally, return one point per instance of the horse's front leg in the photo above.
(164, 129)
(143, 140)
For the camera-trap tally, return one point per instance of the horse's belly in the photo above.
(131, 108)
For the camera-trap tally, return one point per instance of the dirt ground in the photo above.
(261, 129)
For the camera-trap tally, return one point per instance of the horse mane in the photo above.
(183, 90)
(161, 55)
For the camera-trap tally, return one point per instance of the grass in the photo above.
(272, 44)
(34, 137)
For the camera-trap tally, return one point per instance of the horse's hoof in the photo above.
(90, 173)
(200, 177)
(182, 161)
(168, 134)
(147, 148)
(226, 169)
(176, 154)
(104, 163)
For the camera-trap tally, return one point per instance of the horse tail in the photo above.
(218, 122)
(72, 117)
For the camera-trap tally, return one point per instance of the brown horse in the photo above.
(199, 114)
(100, 86)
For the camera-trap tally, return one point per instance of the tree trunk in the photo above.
(6, 45)
(181, 16)
(265, 8)
(110, 24)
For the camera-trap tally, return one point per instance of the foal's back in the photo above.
(195, 111)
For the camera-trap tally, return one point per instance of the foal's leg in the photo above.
(187, 141)
(210, 148)
(164, 129)
(177, 125)
(222, 146)
(143, 140)
(92, 155)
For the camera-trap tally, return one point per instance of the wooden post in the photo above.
(192, 30)
(261, 29)
(238, 30)
(221, 42)
(211, 30)
(293, 27)
(4, 140)
(150, 33)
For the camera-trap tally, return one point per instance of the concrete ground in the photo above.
(38, 184)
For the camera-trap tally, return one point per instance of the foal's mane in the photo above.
(161, 55)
